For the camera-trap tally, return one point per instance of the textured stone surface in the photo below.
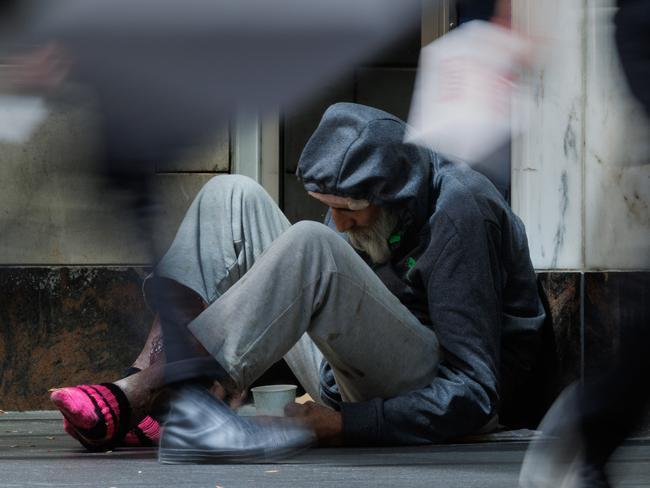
(524, 404)
(547, 174)
(608, 298)
(388, 89)
(297, 129)
(602, 316)
(385, 81)
(58, 209)
(69, 325)
(213, 156)
(61, 326)
(616, 169)
(563, 295)
(614, 303)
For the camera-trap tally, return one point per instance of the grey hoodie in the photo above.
(460, 263)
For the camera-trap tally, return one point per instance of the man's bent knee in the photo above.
(307, 232)
(221, 191)
(227, 184)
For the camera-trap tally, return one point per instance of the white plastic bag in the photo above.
(464, 90)
(20, 116)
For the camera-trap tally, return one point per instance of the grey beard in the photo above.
(374, 239)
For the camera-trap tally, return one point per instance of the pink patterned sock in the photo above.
(69, 429)
(146, 434)
(95, 413)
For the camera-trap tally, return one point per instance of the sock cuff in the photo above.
(145, 434)
(123, 410)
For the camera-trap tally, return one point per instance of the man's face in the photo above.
(352, 220)
(367, 229)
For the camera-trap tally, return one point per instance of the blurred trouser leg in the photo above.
(230, 223)
(633, 44)
(613, 405)
(586, 424)
(312, 281)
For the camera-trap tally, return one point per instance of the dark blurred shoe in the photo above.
(556, 458)
(202, 429)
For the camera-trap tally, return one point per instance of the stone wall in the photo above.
(580, 179)
(57, 209)
(72, 258)
(64, 326)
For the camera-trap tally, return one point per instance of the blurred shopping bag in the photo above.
(20, 116)
(464, 91)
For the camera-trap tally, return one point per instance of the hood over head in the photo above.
(359, 152)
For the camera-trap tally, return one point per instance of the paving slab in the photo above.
(35, 452)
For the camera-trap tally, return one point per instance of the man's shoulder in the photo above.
(469, 203)
(466, 195)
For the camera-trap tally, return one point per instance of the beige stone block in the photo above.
(56, 209)
(211, 157)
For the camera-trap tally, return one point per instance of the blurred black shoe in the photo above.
(202, 429)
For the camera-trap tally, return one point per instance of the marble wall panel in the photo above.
(617, 166)
(65, 326)
(547, 160)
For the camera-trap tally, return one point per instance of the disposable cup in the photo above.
(271, 399)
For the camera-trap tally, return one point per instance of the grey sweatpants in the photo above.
(300, 292)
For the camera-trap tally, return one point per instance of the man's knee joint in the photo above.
(225, 186)
(308, 231)
(228, 183)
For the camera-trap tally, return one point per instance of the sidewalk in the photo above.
(35, 452)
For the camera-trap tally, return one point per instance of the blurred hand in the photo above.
(326, 423)
(44, 68)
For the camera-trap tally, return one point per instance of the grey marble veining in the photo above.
(547, 159)
(581, 178)
(617, 159)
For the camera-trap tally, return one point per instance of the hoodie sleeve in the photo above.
(461, 270)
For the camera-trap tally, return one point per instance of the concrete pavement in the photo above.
(35, 452)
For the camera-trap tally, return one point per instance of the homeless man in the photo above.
(392, 316)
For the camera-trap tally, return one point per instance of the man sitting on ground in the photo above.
(395, 324)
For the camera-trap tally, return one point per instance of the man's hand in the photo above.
(326, 423)
(228, 394)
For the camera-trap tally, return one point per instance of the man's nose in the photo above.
(342, 221)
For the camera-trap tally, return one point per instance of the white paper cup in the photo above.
(271, 399)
